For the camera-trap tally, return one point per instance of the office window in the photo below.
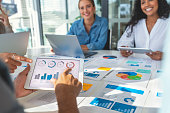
(119, 15)
(18, 16)
(57, 15)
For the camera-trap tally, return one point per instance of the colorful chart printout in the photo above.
(86, 86)
(109, 57)
(94, 74)
(104, 68)
(129, 75)
(116, 106)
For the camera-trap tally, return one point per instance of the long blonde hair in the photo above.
(91, 1)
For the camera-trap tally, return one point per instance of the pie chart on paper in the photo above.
(109, 57)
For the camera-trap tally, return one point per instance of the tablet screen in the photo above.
(136, 50)
(47, 68)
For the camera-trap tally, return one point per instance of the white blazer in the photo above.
(140, 37)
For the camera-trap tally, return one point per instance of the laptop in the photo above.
(14, 43)
(67, 45)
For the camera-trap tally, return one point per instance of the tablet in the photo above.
(136, 50)
(43, 69)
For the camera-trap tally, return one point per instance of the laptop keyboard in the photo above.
(89, 53)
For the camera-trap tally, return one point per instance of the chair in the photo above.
(108, 43)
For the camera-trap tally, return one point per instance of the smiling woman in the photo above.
(91, 30)
(147, 27)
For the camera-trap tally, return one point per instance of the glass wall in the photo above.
(55, 14)
(42, 17)
(119, 15)
(18, 16)
(56, 17)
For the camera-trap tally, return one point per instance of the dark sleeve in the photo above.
(4, 74)
(8, 102)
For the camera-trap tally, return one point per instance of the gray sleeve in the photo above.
(8, 102)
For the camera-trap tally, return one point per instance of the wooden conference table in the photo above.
(111, 85)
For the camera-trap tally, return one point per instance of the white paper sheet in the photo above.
(139, 77)
(89, 88)
(113, 98)
(42, 101)
(100, 105)
(153, 102)
(123, 93)
(100, 67)
(134, 63)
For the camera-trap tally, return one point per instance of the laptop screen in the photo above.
(14, 43)
(65, 45)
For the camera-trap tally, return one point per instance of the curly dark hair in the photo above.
(137, 14)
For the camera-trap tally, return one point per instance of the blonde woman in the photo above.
(91, 29)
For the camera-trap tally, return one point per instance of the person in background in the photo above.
(66, 86)
(91, 30)
(5, 26)
(165, 77)
(147, 27)
(11, 59)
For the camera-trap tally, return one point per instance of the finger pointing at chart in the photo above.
(66, 83)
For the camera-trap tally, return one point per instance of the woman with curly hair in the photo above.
(147, 27)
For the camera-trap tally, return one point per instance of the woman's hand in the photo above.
(125, 53)
(155, 55)
(84, 47)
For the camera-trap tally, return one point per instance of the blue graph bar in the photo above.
(49, 77)
(125, 89)
(102, 103)
(44, 77)
(56, 75)
(123, 108)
